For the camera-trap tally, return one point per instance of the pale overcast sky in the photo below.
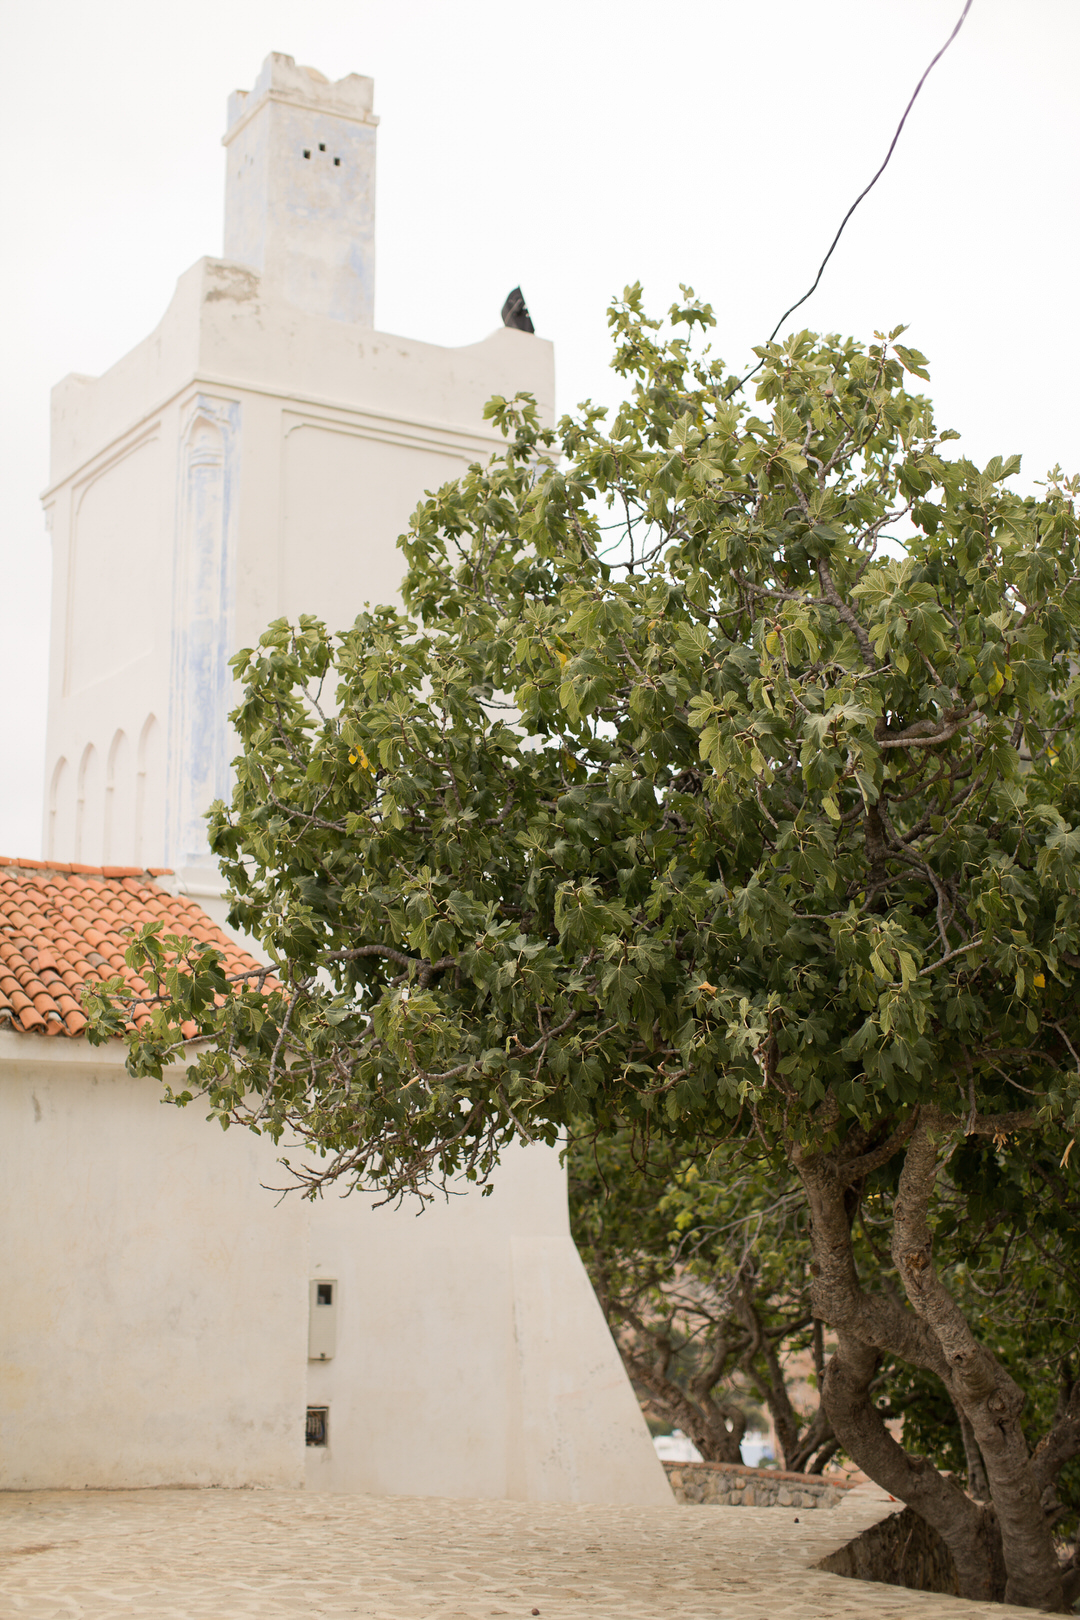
(571, 147)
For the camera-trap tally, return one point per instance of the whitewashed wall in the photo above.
(154, 1320)
(472, 1356)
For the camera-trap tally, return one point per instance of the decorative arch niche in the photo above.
(118, 836)
(60, 830)
(89, 809)
(149, 802)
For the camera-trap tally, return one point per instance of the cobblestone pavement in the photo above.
(283, 1555)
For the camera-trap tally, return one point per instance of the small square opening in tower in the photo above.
(318, 1425)
(322, 1318)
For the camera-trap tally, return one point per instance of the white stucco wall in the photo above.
(154, 1321)
(472, 1357)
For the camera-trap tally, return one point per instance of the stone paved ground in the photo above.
(287, 1555)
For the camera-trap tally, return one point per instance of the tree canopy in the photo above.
(720, 776)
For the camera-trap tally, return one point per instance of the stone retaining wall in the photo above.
(903, 1550)
(732, 1485)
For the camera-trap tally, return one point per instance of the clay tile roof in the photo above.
(61, 925)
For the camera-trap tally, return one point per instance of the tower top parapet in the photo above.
(280, 79)
(300, 188)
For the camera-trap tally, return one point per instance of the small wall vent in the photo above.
(322, 1318)
(318, 1425)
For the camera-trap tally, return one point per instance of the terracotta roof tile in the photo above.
(64, 925)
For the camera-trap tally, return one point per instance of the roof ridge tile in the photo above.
(78, 868)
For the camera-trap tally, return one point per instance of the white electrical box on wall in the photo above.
(322, 1318)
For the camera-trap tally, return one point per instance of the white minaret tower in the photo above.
(257, 456)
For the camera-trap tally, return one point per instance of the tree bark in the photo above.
(715, 1427)
(819, 1438)
(977, 1483)
(1061, 1443)
(867, 1325)
(979, 1386)
(763, 1349)
(967, 1528)
(785, 1419)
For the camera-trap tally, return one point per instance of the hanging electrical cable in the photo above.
(865, 192)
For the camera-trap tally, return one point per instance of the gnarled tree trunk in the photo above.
(1003, 1549)
(980, 1387)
